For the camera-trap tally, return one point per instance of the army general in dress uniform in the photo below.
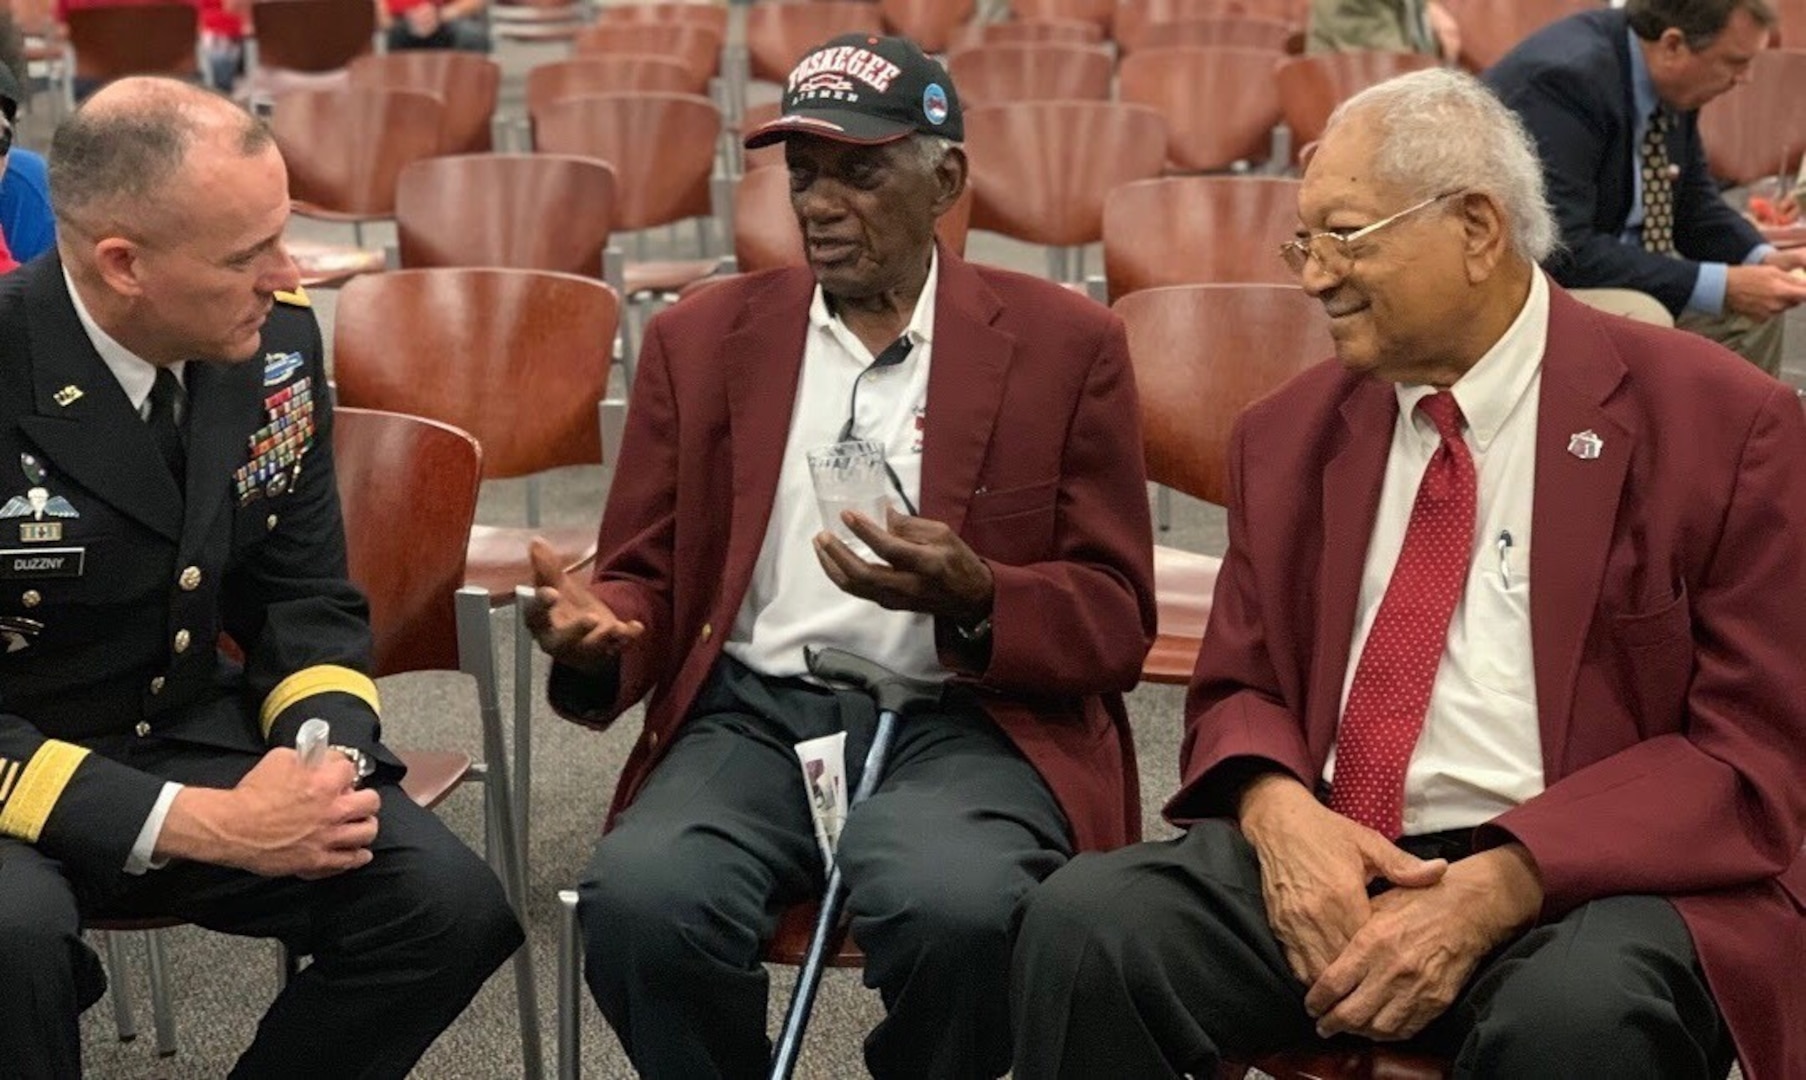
(165, 477)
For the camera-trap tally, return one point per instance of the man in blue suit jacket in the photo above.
(1589, 87)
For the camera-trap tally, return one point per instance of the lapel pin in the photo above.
(1585, 445)
(68, 395)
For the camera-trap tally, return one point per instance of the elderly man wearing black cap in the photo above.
(1013, 567)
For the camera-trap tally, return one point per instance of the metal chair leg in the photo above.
(119, 971)
(1163, 507)
(476, 656)
(570, 987)
(523, 730)
(162, 1016)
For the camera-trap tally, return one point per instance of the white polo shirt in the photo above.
(790, 601)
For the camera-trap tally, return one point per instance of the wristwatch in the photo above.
(359, 760)
(978, 631)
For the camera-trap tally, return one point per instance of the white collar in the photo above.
(136, 375)
(1492, 388)
(921, 321)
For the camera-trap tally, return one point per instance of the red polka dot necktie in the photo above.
(1391, 689)
(1658, 186)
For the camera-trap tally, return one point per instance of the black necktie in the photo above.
(164, 429)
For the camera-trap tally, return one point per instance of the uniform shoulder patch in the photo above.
(298, 298)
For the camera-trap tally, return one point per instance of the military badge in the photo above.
(277, 447)
(37, 504)
(279, 368)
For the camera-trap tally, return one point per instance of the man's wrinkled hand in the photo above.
(1315, 866)
(1406, 965)
(569, 621)
(930, 569)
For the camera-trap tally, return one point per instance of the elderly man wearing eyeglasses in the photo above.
(1496, 741)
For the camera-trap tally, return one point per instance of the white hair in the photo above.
(1442, 131)
(930, 150)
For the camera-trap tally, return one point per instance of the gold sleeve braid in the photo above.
(29, 792)
(319, 679)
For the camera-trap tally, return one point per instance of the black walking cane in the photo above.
(896, 696)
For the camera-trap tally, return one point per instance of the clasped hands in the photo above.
(1385, 967)
(926, 568)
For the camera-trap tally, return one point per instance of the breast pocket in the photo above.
(1658, 625)
(1013, 525)
(1498, 625)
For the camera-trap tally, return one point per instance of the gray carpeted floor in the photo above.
(223, 984)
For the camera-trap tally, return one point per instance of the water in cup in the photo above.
(850, 476)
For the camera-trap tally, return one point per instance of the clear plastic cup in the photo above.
(850, 476)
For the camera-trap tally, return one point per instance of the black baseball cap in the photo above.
(861, 88)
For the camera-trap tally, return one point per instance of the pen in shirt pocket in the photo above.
(1504, 545)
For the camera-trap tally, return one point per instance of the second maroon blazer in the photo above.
(1668, 626)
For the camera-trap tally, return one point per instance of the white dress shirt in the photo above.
(790, 601)
(136, 375)
(1480, 751)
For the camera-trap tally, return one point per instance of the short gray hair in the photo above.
(115, 157)
(1443, 131)
(929, 150)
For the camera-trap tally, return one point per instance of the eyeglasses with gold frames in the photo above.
(1334, 251)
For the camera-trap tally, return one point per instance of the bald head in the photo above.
(114, 163)
(171, 207)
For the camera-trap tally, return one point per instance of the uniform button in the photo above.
(157, 685)
(708, 630)
(270, 522)
(31, 598)
(182, 640)
(652, 740)
(190, 579)
(143, 728)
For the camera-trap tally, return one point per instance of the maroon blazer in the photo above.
(1031, 452)
(1667, 618)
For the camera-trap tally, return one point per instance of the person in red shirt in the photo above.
(221, 29)
(223, 41)
(435, 24)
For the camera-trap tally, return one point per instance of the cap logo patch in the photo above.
(934, 104)
(825, 83)
(863, 65)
